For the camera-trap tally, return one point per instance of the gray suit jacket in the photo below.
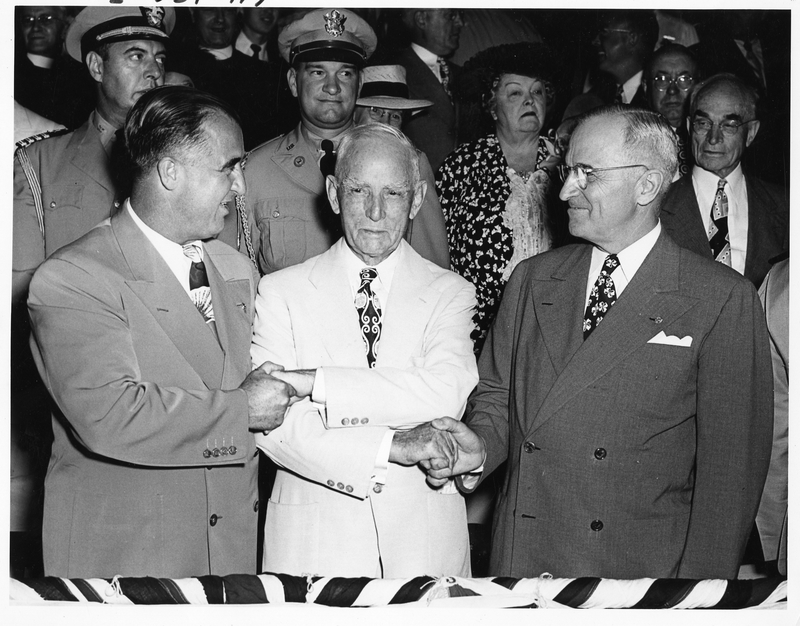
(143, 388)
(767, 223)
(627, 457)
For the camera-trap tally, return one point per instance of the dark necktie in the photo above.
(602, 297)
(718, 234)
(256, 50)
(369, 314)
(619, 97)
(199, 289)
(444, 72)
(327, 164)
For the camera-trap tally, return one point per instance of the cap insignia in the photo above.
(154, 15)
(334, 23)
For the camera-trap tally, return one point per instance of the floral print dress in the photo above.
(495, 219)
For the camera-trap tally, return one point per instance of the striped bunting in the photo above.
(543, 592)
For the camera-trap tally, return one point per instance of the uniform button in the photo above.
(213, 520)
(276, 214)
(345, 421)
(529, 447)
(377, 488)
(255, 506)
(596, 525)
(348, 489)
(365, 420)
(116, 204)
(340, 485)
(299, 161)
(600, 454)
(53, 204)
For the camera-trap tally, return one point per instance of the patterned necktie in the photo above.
(199, 290)
(444, 73)
(256, 50)
(327, 164)
(369, 314)
(718, 235)
(602, 297)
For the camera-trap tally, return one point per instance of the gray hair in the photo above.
(648, 138)
(384, 134)
(748, 96)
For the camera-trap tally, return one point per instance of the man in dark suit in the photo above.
(718, 210)
(434, 37)
(141, 332)
(627, 383)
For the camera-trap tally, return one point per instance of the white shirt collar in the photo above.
(42, 61)
(382, 285)
(220, 53)
(631, 86)
(243, 44)
(171, 252)
(630, 260)
(428, 57)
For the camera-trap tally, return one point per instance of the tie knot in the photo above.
(368, 274)
(611, 263)
(721, 184)
(255, 48)
(194, 251)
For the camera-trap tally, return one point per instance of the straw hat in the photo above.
(385, 86)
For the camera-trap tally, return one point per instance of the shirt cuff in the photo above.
(382, 459)
(318, 394)
(470, 479)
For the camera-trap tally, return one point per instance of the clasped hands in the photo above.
(270, 391)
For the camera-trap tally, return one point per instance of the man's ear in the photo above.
(648, 186)
(752, 131)
(291, 78)
(419, 197)
(168, 173)
(95, 65)
(333, 198)
(420, 19)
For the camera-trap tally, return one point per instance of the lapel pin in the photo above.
(657, 319)
(242, 306)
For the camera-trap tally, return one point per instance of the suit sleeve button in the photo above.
(529, 447)
(340, 485)
(231, 449)
(596, 525)
(331, 483)
(349, 489)
(213, 520)
(365, 420)
(600, 454)
(345, 421)
(377, 488)
(207, 453)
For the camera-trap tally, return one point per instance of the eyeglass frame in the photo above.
(583, 179)
(384, 113)
(729, 130)
(670, 80)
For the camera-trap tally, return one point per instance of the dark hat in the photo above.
(96, 25)
(328, 35)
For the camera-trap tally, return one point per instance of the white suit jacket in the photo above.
(326, 516)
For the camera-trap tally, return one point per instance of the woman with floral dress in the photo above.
(493, 191)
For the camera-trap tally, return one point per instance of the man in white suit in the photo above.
(349, 501)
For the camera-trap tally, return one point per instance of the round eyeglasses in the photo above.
(729, 128)
(582, 172)
(387, 116)
(683, 82)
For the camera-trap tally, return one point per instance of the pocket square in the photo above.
(671, 340)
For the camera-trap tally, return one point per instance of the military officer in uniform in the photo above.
(63, 185)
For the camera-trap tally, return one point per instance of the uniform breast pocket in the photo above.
(63, 197)
(283, 226)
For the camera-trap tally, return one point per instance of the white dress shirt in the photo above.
(630, 260)
(220, 53)
(171, 252)
(630, 87)
(705, 189)
(243, 45)
(429, 59)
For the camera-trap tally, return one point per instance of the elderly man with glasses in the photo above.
(720, 211)
(626, 382)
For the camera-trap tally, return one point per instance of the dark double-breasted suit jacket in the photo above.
(767, 223)
(143, 389)
(642, 451)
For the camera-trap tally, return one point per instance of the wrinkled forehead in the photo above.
(721, 101)
(673, 63)
(595, 141)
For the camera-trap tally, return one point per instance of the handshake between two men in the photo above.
(443, 447)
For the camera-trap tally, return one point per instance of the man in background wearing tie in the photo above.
(718, 210)
(378, 339)
(141, 332)
(627, 383)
